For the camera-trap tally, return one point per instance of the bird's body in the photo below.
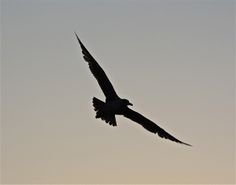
(114, 105)
(107, 110)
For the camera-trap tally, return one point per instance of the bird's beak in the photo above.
(130, 104)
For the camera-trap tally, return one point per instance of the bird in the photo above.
(114, 105)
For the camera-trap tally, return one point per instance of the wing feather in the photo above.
(98, 73)
(150, 126)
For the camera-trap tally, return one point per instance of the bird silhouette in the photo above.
(114, 105)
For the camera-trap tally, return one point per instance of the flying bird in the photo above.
(114, 105)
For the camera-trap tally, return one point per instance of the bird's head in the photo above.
(126, 102)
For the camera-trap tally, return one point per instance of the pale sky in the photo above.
(173, 59)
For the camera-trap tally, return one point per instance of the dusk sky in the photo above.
(173, 59)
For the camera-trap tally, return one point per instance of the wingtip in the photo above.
(77, 37)
(186, 144)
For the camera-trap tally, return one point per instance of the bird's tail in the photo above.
(98, 107)
(97, 104)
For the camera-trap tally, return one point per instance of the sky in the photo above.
(173, 59)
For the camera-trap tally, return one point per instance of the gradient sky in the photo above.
(173, 59)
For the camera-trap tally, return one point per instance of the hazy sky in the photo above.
(173, 59)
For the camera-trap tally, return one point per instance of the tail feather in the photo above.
(98, 104)
(98, 107)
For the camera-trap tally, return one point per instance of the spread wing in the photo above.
(149, 125)
(98, 73)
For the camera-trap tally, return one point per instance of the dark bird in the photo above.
(114, 105)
